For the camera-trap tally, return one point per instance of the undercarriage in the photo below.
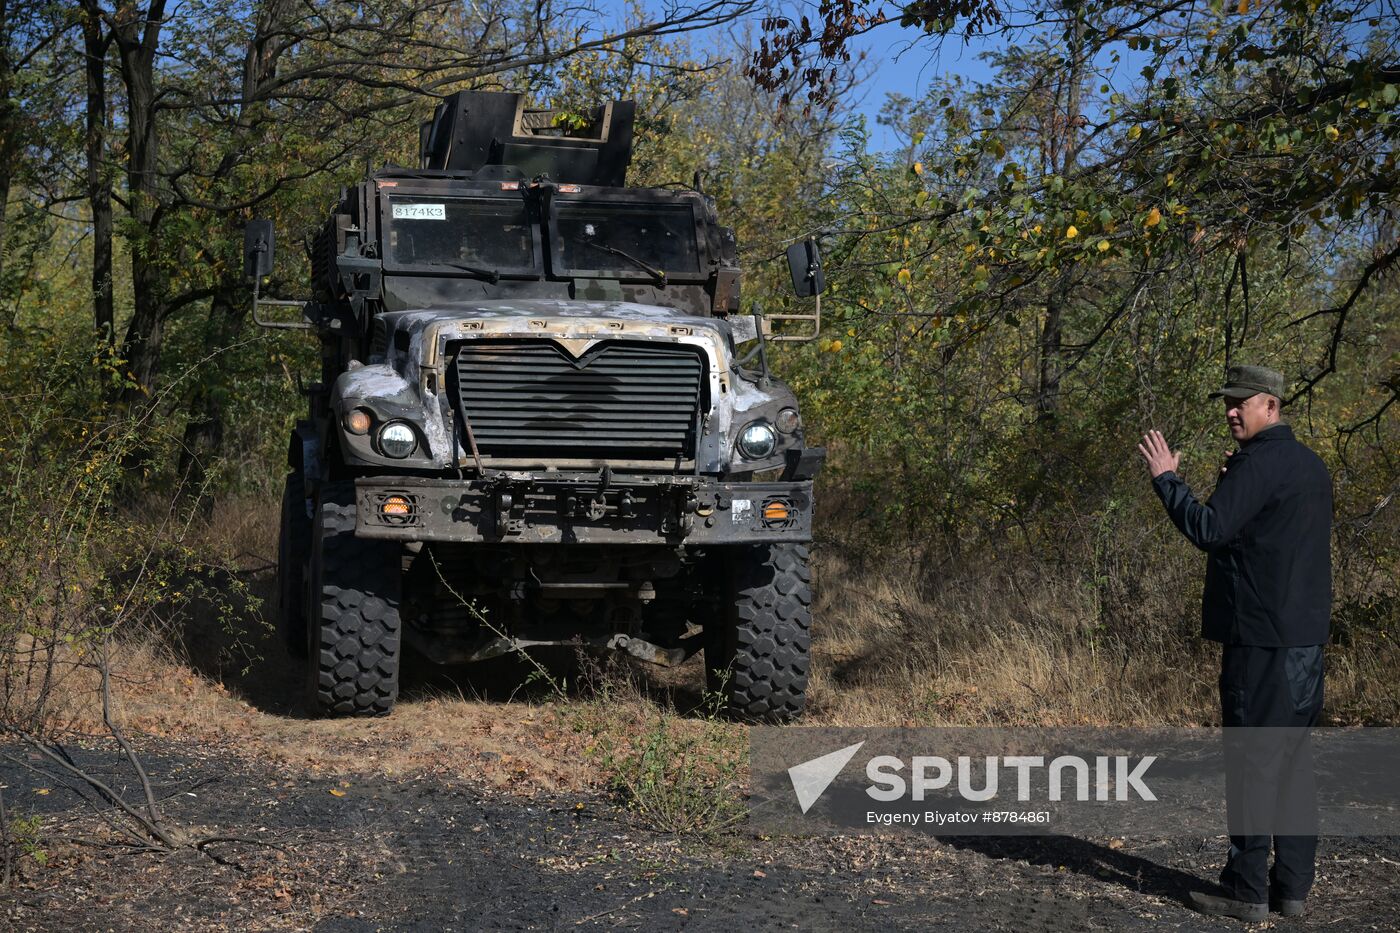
(474, 602)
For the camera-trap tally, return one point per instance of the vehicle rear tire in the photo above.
(758, 659)
(293, 543)
(352, 667)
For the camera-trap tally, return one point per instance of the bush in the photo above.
(679, 776)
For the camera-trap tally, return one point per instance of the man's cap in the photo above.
(1244, 381)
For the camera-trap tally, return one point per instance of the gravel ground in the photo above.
(330, 854)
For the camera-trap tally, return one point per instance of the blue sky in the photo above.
(905, 61)
(897, 62)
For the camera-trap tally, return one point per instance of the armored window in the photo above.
(427, 230)
(618, 239)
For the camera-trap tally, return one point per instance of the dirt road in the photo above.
(427, 854)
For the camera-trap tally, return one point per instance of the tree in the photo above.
(1251, 127)
(31, 92)
(1032, 272)
(97, 174)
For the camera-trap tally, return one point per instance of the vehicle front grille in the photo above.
(620, 400)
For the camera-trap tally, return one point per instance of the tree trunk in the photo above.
(1047, 394)
(137, 36)
(4, 203)
(9, 118)
(99, 182)
(1051, 347)
(204, 431)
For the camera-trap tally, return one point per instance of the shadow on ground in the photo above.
(1089, 859)
(228, 633)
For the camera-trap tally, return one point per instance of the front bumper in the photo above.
(550, 508)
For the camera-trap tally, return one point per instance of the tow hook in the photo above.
(504, 524)
(688, 505)
(644, 650)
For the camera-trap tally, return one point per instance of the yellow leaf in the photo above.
(1154, 217)
(1103, 245)
(337, 792)
(1243, 7)
(917, 168)
(1072, 232)
(1036, 228)
(904, 276)
(1332, 133)
(42, 791)
(1134, 131)
(836, 346)
(1171, 179)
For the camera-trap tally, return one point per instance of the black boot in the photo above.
(1285, 906)
(1215, 906)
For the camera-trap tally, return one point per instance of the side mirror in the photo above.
(257, 250)
(808, 281)
(805, 264)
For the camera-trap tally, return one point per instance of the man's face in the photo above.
(1247, 416)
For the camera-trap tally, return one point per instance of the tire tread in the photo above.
(355, 671)
(771, 619)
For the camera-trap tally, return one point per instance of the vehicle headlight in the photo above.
(397, 440)
(757, 440)
(787, 420)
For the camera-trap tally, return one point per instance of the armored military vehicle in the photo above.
(535, 425)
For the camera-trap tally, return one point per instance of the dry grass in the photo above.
(994, 648)
(978, 652)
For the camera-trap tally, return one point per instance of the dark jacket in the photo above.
(1268, 531)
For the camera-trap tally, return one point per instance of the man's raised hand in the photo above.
(1158, 454)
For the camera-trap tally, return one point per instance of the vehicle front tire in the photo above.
(353, 643)
(293, 543)
(759, 657)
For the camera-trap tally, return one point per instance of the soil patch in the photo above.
(431, 853)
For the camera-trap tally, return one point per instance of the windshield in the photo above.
(626, 238)
(491, 234)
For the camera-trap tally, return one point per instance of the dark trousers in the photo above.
(1268, 769)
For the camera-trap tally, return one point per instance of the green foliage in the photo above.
(23, 837)
(677, 776)
(83, 567)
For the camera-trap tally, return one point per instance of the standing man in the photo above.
(1268, 597)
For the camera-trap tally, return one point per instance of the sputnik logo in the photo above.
(811, 778)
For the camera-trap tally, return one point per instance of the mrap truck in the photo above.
(535, 425)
